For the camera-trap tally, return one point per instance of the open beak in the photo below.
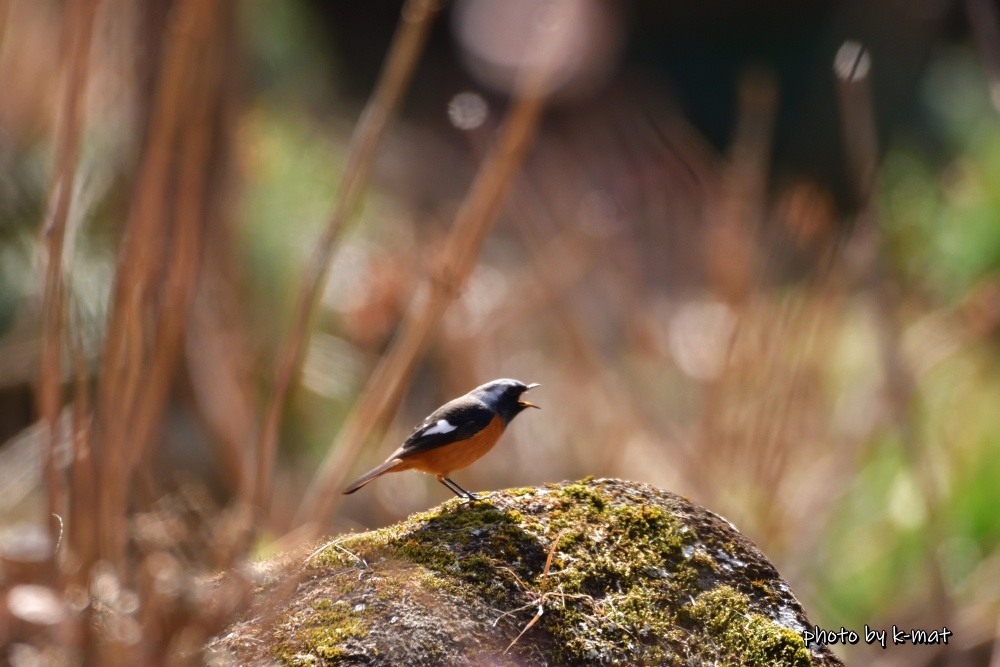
(525, 404)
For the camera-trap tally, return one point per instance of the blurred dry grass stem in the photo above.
(82, 484)
(733, 256)
(404, 53)
(81, 15)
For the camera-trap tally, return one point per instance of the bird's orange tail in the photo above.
(388, 466)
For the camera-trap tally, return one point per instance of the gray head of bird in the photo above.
(504, 397)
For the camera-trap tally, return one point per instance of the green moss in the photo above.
(585, 493)
(428, 555)
(321, 636)
(627, 549)
(388, 588)
(754, 639)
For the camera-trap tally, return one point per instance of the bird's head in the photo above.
(504, 397)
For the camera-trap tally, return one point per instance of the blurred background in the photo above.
(737, 275)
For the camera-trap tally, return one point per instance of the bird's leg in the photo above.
(451, 486)
(456, 489)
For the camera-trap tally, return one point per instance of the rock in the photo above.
(638, 576)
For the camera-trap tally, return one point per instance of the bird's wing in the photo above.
(456, 420)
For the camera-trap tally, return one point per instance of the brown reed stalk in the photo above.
(82, 13)
(191, 168)
(404, 53)
(473, 221)
(218, 360)
(81, 537)
(126, 398)
(733, 261)
(82, 473)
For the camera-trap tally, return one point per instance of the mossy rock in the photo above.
(638, 576)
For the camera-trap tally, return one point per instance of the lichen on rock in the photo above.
(638, 576)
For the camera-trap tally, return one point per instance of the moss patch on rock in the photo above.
(637, 576)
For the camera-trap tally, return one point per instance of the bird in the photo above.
(456, 435)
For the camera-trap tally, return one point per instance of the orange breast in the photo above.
(445, 460)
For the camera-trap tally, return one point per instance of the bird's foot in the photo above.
(470, 497)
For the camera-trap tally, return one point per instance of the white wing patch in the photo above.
(441, 427)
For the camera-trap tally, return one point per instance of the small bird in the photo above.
(456, 435)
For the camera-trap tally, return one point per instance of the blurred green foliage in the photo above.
(943, 223)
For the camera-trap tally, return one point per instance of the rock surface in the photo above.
(635, 576)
